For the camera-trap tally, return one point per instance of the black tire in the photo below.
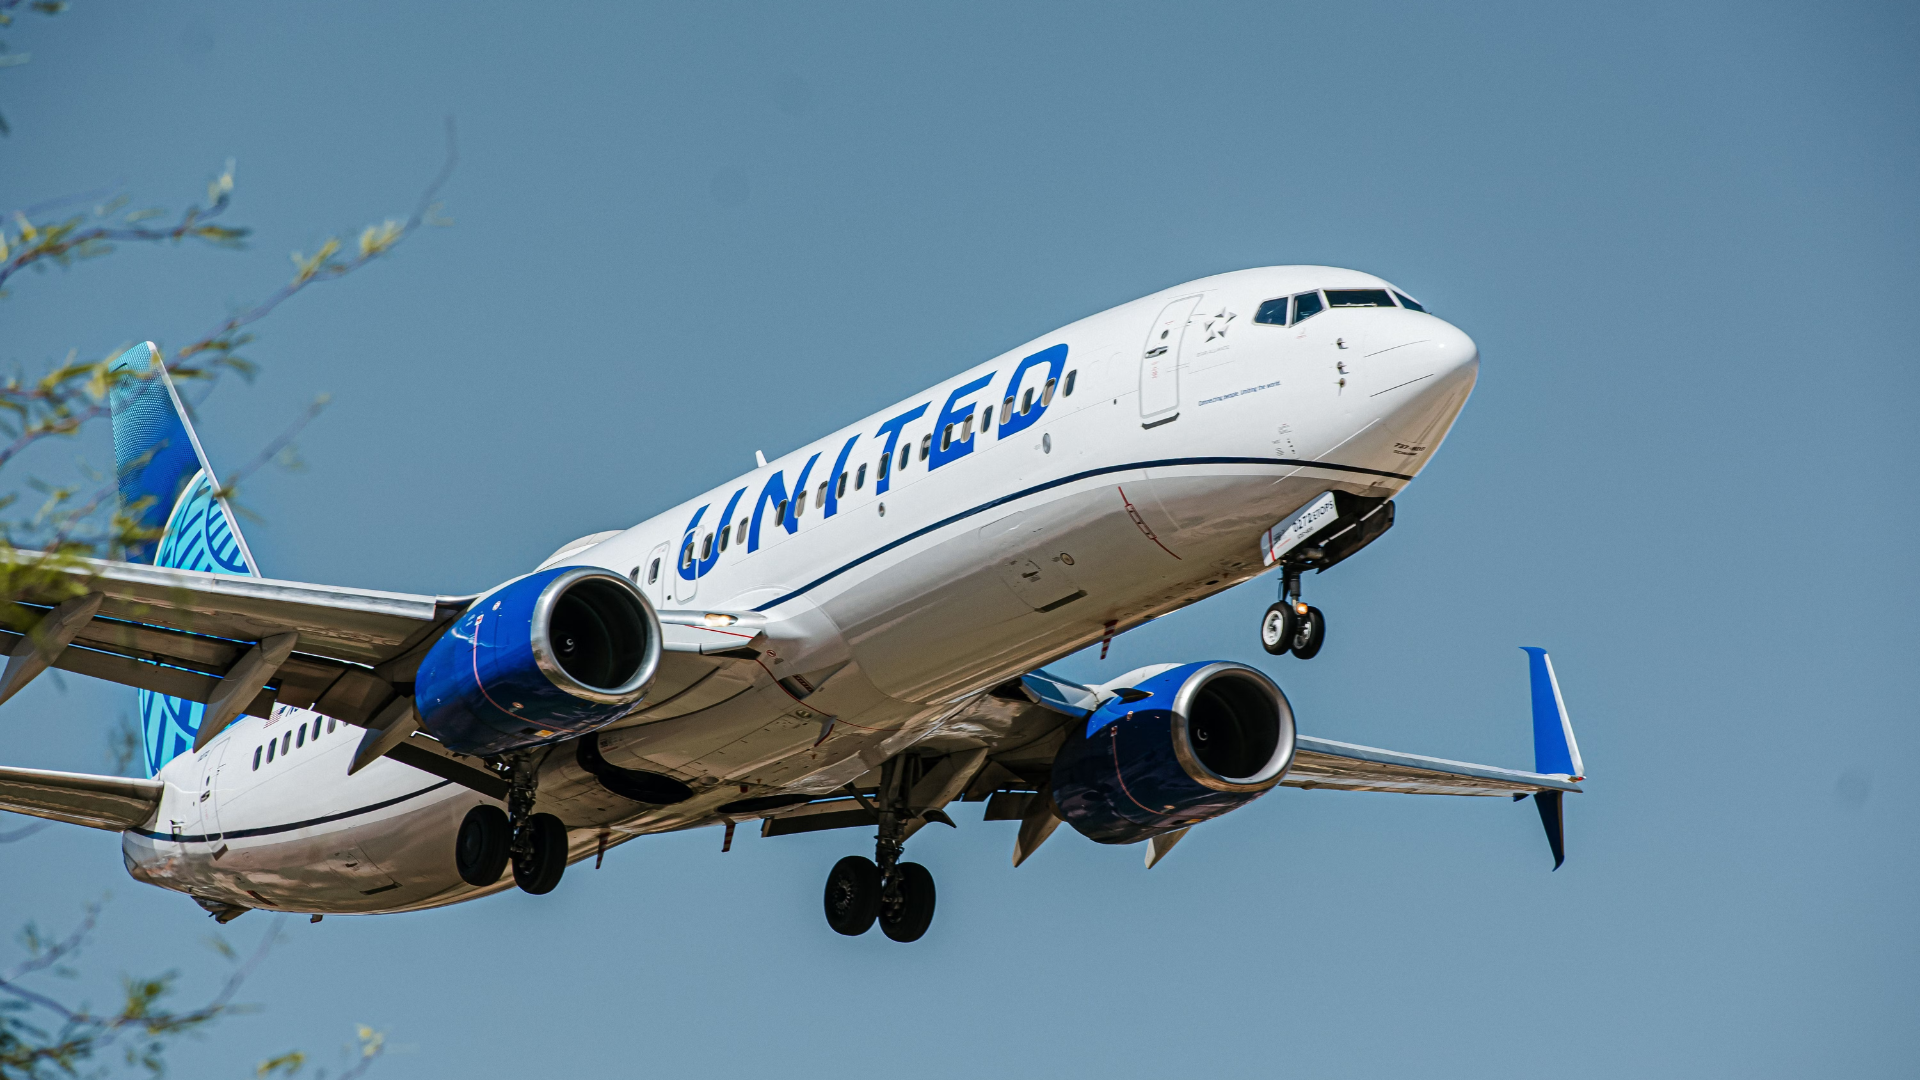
(908, 919)
(485, 842)
(1277, 628)
(853, 895)
(1312, 635)
(539, 870)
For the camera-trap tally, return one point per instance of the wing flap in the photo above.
(113, 803)
(1324, 763)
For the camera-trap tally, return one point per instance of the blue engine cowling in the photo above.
(555, 654)
(1187, 744)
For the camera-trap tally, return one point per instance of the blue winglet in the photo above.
(1554, 750)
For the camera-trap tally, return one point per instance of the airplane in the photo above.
(851, 635)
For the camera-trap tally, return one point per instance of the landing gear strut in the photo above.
(539, 841)
(898, 895)
(1291, 625)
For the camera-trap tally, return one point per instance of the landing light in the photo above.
(715, 618)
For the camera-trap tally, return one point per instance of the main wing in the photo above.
(1325, 763)
(181, 632)
(355, 651)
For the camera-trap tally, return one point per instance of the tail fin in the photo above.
(167, 487)
(1554, 750)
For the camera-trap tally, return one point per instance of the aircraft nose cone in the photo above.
(1457, 352)
(1414, 391)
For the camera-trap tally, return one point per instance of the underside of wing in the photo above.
(180, 632)
(114, 803)
(1324, 763)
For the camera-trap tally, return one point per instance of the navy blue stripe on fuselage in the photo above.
(1074, 478)
(269, 830)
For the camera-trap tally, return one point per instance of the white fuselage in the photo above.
(1143, 489)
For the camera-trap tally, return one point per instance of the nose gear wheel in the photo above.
(1291, 626)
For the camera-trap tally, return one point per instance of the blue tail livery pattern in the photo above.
(166, 486)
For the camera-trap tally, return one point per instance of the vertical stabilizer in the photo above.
(168, 489)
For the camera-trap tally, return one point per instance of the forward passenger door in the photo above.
(1160, 361)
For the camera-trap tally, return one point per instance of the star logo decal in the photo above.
(1217, 324)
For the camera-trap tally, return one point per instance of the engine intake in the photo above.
(1185, 745)
(555, 654)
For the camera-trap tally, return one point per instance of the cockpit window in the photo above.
(1305, 305)
(1358, 298)
(1407, 301)
(1272, 312)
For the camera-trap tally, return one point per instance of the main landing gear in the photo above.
(1291, 625)
(489, 838)
(898, 895)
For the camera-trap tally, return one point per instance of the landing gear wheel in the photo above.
(908, 917)
(481, 850)
(853, 895)
(538, 870)
(1277, 628)
(1311, 635)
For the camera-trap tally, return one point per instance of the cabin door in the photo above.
(1160, 363)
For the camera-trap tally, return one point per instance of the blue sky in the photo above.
(1683, 235)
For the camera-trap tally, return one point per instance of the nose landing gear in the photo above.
(898, 895)
(1291, 625)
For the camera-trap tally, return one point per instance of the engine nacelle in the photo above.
(1187, 744)
(555, 654)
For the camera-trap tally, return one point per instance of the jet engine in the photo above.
(1186, 744)
(555, 654)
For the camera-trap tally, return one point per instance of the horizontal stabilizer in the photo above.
(113, 803)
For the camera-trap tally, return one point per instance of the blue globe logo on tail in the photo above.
(166, 486)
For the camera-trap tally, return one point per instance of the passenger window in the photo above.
(286, 743)
(329, 725)
(840, 488)
(1067, 390)
(820, 494)
(926, 445)
(1046, 395)
(706, 547)
(270, 748)
(1358, 298)
(653, 572)
(966, 428)
(780, 512)
(1272, 312)
(256, 759)
(946, 441)
(906, 455)
(302, 740)
(1026, 401)
(859, 477)
(885, 466)
(316, 727)
(1407, 301)
(725, 532)
(1006, 409)
(686, 553)
(1305, 306)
